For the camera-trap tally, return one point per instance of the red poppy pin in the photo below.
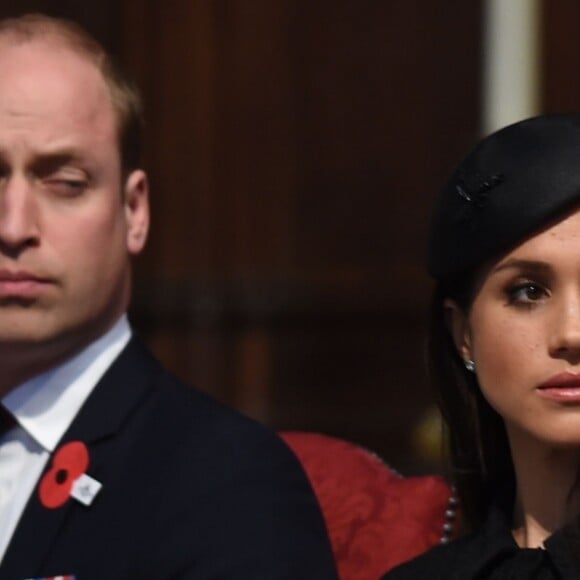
(68, 465)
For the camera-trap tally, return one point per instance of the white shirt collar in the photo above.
(46, 405)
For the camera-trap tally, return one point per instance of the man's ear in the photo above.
(136, 202)
(458, 325)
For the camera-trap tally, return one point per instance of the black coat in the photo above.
(492, 554)
(191, 490)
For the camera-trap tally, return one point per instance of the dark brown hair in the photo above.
(125, 96)
(480, 456)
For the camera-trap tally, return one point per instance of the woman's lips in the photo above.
(563, 387)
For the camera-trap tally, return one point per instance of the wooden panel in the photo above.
(561, 49)
(171, 47)
(217, 90)
(389, 99)
(295, 149)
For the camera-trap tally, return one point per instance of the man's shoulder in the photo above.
(178, 399)
(232, 484)
(199, 416)
(173, 411)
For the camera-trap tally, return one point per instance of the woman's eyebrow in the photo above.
(535, 266)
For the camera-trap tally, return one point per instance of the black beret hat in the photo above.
(514, 182)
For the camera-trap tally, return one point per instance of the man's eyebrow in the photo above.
(48, 160)
(51, 159)
(536, 266)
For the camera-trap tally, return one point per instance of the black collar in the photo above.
(494, 547)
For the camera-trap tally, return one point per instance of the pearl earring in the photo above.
(469, 365)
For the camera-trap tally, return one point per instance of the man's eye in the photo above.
(66, 187)
(527, 293)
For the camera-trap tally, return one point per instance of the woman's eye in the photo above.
(527, 293)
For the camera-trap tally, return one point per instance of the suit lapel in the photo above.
(108, 407)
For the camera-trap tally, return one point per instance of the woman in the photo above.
(504, 353)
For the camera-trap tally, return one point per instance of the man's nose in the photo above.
(564, 341)
(18, 216)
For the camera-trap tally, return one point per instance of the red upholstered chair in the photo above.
(376, 518)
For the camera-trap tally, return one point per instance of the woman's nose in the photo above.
(565, 332)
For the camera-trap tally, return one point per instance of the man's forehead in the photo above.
(45, 74)
(16, 50)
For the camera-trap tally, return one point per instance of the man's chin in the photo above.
(28, 328)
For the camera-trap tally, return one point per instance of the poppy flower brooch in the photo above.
(67, 477)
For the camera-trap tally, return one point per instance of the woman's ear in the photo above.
(458, 325)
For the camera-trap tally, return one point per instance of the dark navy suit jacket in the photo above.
(191, 490)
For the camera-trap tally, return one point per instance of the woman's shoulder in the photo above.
(441, 562)
(464, 558)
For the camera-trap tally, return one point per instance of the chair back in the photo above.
(376, 518)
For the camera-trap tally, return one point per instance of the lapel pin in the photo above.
(67, 477)
(85, 489)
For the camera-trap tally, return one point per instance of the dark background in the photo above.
(294, 150)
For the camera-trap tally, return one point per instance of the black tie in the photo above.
(7, 420)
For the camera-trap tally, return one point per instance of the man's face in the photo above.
(67, 221)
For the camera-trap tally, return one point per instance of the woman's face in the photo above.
(523, 332)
